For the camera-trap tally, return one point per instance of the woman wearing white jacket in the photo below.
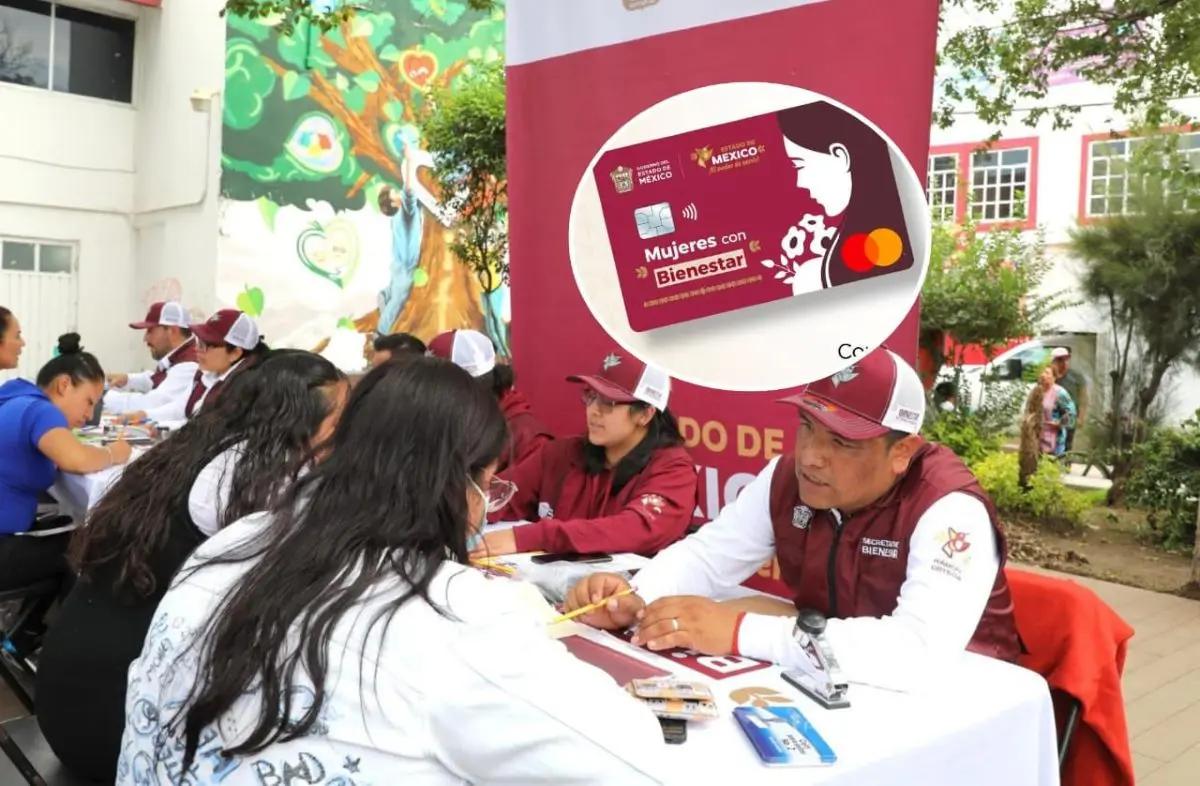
(342, 638)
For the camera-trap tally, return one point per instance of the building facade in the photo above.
(1052, 180)
(152, 149)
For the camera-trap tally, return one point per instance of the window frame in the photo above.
(930, 171)
(38, 244)
(129, 12)
(1084, 217)
(965, 152)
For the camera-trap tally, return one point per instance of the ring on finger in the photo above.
(675, 624)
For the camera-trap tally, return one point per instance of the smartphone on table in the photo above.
(584, 559)
(674, 730)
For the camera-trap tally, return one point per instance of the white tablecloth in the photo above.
(78, 494)
(985, 723)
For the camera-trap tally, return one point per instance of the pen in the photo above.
(590, 607)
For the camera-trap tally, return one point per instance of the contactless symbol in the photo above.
(881, 248)
(690, 212)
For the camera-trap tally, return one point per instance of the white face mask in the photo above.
(475, 537)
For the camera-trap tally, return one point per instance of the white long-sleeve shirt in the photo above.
(481, 696)
(139, 393)
(209, 495)
(935, 618)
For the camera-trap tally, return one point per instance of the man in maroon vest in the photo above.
(887, 535)
(169, 338)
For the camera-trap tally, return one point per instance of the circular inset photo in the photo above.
(749, 236)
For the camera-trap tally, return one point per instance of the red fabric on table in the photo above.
(621, 667)
(1078, 643)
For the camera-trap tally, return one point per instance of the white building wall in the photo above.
(134, 188)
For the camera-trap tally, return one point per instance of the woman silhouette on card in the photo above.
(852, 226)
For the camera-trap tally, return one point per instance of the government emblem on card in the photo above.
(622, 178)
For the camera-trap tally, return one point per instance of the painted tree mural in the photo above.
(312, 117)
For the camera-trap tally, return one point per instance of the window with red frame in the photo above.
(997, 182)
(1107, 160)
(1000, 184)
(941, 184)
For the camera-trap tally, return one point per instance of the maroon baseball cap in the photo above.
(168, 313)
(228, 326)
(468, 349)
(879, 393)
(625, 380)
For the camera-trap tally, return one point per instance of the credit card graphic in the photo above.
(785, 204)
(783, 737)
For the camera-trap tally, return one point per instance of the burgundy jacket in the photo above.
(575, 512)
(526, 434)
(184, 353)
(822, 563)
(198, 387)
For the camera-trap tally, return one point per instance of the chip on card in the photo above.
(736, 215)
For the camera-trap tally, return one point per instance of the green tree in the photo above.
(1143, 269)
(466, 126)
(998, 60)
(323, 14)
(315, 113)
(984, 288)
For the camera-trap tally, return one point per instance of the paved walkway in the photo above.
(1162, 683)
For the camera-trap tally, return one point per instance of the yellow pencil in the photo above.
(590, 607)
(496, 566)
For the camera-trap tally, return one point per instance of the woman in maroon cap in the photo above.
(628, 486)
(226, 342)
(474, 352)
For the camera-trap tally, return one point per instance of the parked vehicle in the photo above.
(1011, 366)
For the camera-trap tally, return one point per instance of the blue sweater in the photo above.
(26, 414)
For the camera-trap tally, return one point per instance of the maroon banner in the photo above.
(574, 79)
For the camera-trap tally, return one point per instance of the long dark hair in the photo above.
(399, 344)
(662, 432)
(274, 408)
(72, 361)
(499, 380)
(388, 502)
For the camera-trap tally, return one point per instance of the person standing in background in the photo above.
(474, 352)
(11, 341)
(1072, 381)
(169, 338)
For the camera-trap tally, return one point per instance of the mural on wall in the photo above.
(330, 227)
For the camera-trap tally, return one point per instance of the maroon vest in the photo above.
(856, 570)
(184, 353)
(198, 392)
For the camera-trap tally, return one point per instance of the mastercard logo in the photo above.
(881, 248)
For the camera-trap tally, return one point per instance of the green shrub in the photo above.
(1047, 500)
(962, 433)
(1165, 482)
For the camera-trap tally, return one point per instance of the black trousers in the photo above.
(1070, 440)
(25, 559)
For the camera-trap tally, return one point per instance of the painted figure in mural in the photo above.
(408, 226)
